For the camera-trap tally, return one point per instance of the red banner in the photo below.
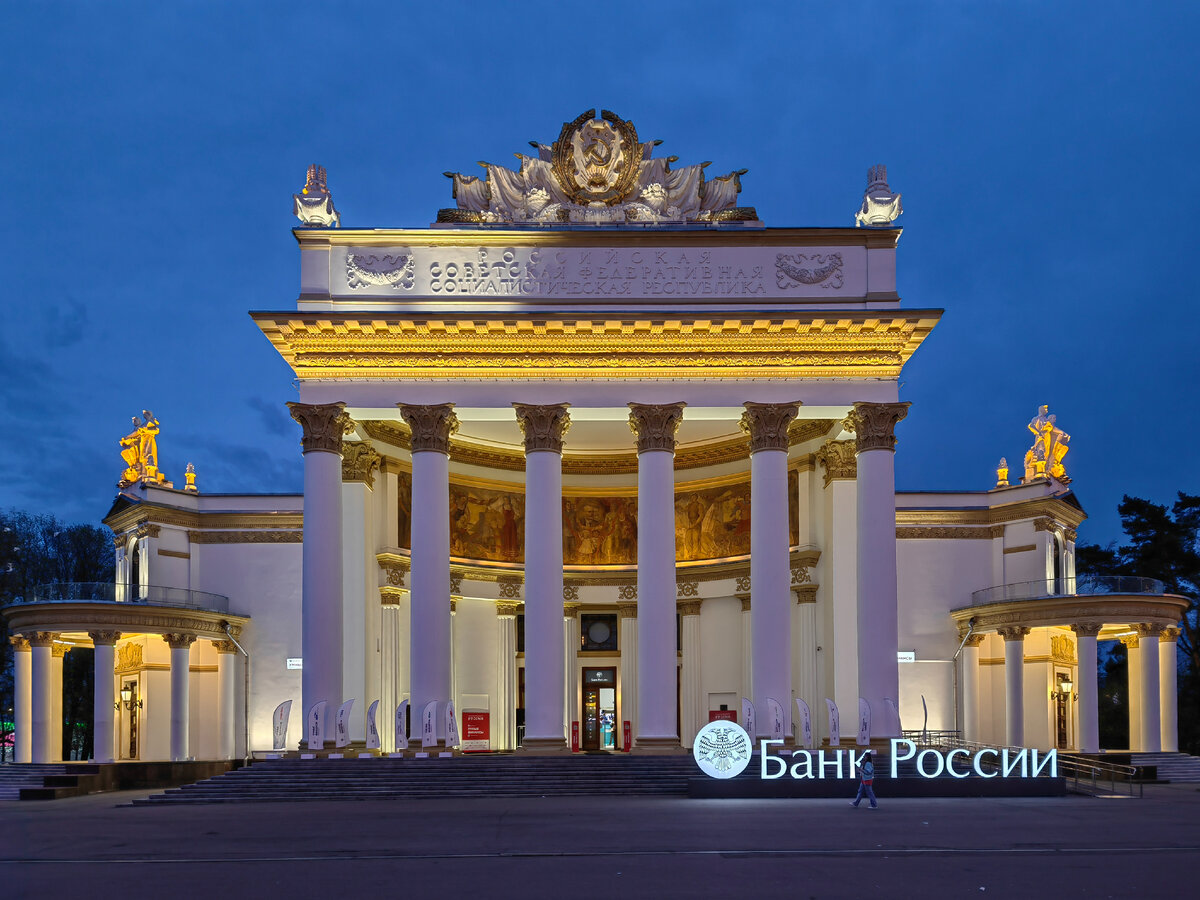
(574, 737)
(722, 715)
(628, 736)
(476, 731)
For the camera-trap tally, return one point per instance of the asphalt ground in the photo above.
(616, 847)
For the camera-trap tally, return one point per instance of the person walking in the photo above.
(866, 778)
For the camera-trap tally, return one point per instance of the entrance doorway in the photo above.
(599, 709)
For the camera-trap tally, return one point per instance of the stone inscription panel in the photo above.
(599, 274)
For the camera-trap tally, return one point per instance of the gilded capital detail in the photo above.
(178, 641)
(767, 424)
(1168, 635)
(324, 425)
(874, 425)
(359, 462)
(688, 607)
(507, 608)
(104, 637)
(837, 459)
(655, 425)
(431, 426)
(544, 427)
(42, 638)
(627, 610)
(224, 646)
(1013, 632)
(19, 643)
(1086, 629)
(1148, 629)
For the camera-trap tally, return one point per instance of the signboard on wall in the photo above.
(722, 715)
(476, 731)
(295, 662)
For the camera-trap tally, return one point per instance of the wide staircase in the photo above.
(15, 776)
(461, 776)
(1177, 767)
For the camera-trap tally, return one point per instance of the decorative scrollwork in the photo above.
(825, 269)
(397, 270)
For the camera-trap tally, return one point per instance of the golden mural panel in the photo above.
(487, 524)
(599, 531)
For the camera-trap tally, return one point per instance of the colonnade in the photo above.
(38, 660)
(648, 640)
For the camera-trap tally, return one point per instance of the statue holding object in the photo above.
(1045, 458)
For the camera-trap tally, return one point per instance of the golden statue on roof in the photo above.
(139, 449)
(1045, 458)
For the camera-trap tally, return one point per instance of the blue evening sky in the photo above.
(1046, 153)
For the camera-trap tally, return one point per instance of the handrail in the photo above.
(106, 592)
(1068, 587)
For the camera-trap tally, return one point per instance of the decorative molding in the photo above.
(137, 514)
(794, 269)
(570, 610)
(767, 424)
(394, 269)
(1063, 611)
(58, 651)
(874, 425)
(395, 567)
(42, 638)
(104, 637)
(129, 656)
(1131, 641)
(510, 587)
(1087, 629)
(837, 459)
(1148, 629)
(543, 427)
(1168, 634)
(1013, 632)
(359, 462)
(20, 644)
(687, 589)
(743, 583)
(456, 580)
(627, 610)
(655, 425)
(1051, 508)
(970, 639)
(745, 604)
(430, 426)
(936, 533)
(246, 537)
(1062, 649)
(570, 592)
(800, 575)
(179, 641)
(1022, 549)
(146, 529)
(390, 596)
(323, 425)
(176, 554)
(688, 607)
(627, 592)
(224, 646)
(806, 593)
(130, 618)
(453, 605)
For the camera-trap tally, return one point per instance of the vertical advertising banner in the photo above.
(476, 731)
(452, 740)
(775, 711)
(342, 726)
(748, 718)
(315, 727)
(429, 724)
(864, 722)
(574, 737)
(279, 724)
(894, 726)
(401, 725)
(372, 731)
(835, 723)
(628, 735)
(804, 719)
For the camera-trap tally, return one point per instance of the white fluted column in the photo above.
(58, 654)
(429, 598)
(570, 667)
(544, 428)
(22, 698)
(691, 714)
(770, 568)
(1088, 708)
(1151, 717)
(42, 708)
(1014, 684)
(747, 656)
(1168, 690)
(970, 687)
(1133, 670)
(389, 666)
(804, 649)
(226, 698)
(504, 719)
(627, 612)
(103, 694)
(181, 651)
(874, 427)
(655, 426)
(323, 426)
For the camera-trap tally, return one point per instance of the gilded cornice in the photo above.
(1047, 508)
(1083, 609)
(129, 519)
(939, 533)
(128, 618)
(246, 537)
(851, 344)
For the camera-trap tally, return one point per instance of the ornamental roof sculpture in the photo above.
(313, 206)
(880, 207)
(139, 450)
(597, 173)
(1045, 458)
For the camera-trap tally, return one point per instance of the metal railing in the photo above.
(1068, 587)
(1084, 774)
(148, 595)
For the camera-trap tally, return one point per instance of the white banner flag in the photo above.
(372, 731)
(835, 724)
(402, 725)
(894, 712)
(748, 719)
(279, 723)
(342, 734)
(429, 724)
(864, 723)
(315, 727)
(804, 717)
(775, 711)
(451, 727)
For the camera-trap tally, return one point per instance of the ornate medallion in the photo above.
(722, 749)
(596, 160)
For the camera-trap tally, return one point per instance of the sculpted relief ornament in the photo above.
(837, 459)
(655, 425)
(874, 424)
(598, 172)
(544, 427)
(431, 426)
(324, 425)
(767, 424)
(359, 462)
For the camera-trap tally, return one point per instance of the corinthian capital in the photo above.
(431, 426)
(837, 459)
(874, 424)
(324, 425)
(655, 424)
(767, 424)
(359, 462)
(179, 641)
(544, 427)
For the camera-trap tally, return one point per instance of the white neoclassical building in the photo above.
(593, 458)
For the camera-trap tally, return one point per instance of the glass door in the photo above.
(599, 709)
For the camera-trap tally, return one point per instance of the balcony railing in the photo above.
(150, 595)
(1068, 587)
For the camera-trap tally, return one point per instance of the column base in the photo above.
(662, 746)
(544, 746)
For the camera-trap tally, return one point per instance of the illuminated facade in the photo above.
(597, 448)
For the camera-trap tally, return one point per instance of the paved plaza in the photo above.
(610, 847)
